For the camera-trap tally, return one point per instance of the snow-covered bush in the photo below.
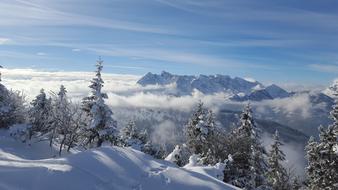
(12, 107)
(194, 160)
(180, 155)
(20, 131)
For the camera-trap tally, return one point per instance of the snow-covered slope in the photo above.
(330, 91)
(102, 168)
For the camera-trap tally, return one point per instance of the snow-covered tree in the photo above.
(12, 107)
(131, 136)
(328, 158)
(200, 132)
(249, 165)
(102, 126)
(76, 132)
(157, 151)
(322, 156)
(40, 115)
(129, 133)
(313, 168)
(62, 118)
(323, 160)
(277, 175)
(296, 184)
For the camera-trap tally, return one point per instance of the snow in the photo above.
(193, 161)
(250, 79)
(330, 91)
(215, 171)
(28, 167)
(172, 157)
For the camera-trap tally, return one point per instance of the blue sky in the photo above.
(271, 41)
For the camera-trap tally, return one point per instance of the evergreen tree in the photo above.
(296, 185)
(322, 157)
(249, 164)
(277, 174)
(313, 168)
(328, 159)
(40, 115)
(102, 126)
(129, 132)
(12, 107)
(131, 136)
(200, 132)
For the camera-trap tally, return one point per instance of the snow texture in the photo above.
(102, 168)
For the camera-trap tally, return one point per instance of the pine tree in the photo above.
(249, 165)
(102, 126)
(296, 185)
(40, 115)
(322, 157)
(277, 174)
(129, 132)
(313, 168)
(12, 107)
(200, 132)
(131, 136)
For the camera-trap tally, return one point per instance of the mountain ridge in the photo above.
(241, 89)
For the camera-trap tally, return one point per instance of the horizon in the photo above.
(271, 42)
(51, 79)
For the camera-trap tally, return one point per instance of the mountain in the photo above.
(240, 89)
(268, 93)
(256, 95)
(332, 89)
(207, 84)
(276, 92)
(103, 168)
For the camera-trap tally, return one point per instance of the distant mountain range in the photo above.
(185, 84)
(239, 89)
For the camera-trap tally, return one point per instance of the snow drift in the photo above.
(102, 168)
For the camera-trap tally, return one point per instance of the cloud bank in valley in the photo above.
(123, 91)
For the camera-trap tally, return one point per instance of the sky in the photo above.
(271, 41)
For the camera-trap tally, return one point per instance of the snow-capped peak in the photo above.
(207, 84)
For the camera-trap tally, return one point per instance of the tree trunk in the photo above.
(62, 143)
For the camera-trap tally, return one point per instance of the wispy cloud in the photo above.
(22, 55)
(76, 50)
(4, 40)
(41, 53)
(172, 56)
(27, 13)
(327, 68)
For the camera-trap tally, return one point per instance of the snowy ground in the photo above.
(31, 168)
